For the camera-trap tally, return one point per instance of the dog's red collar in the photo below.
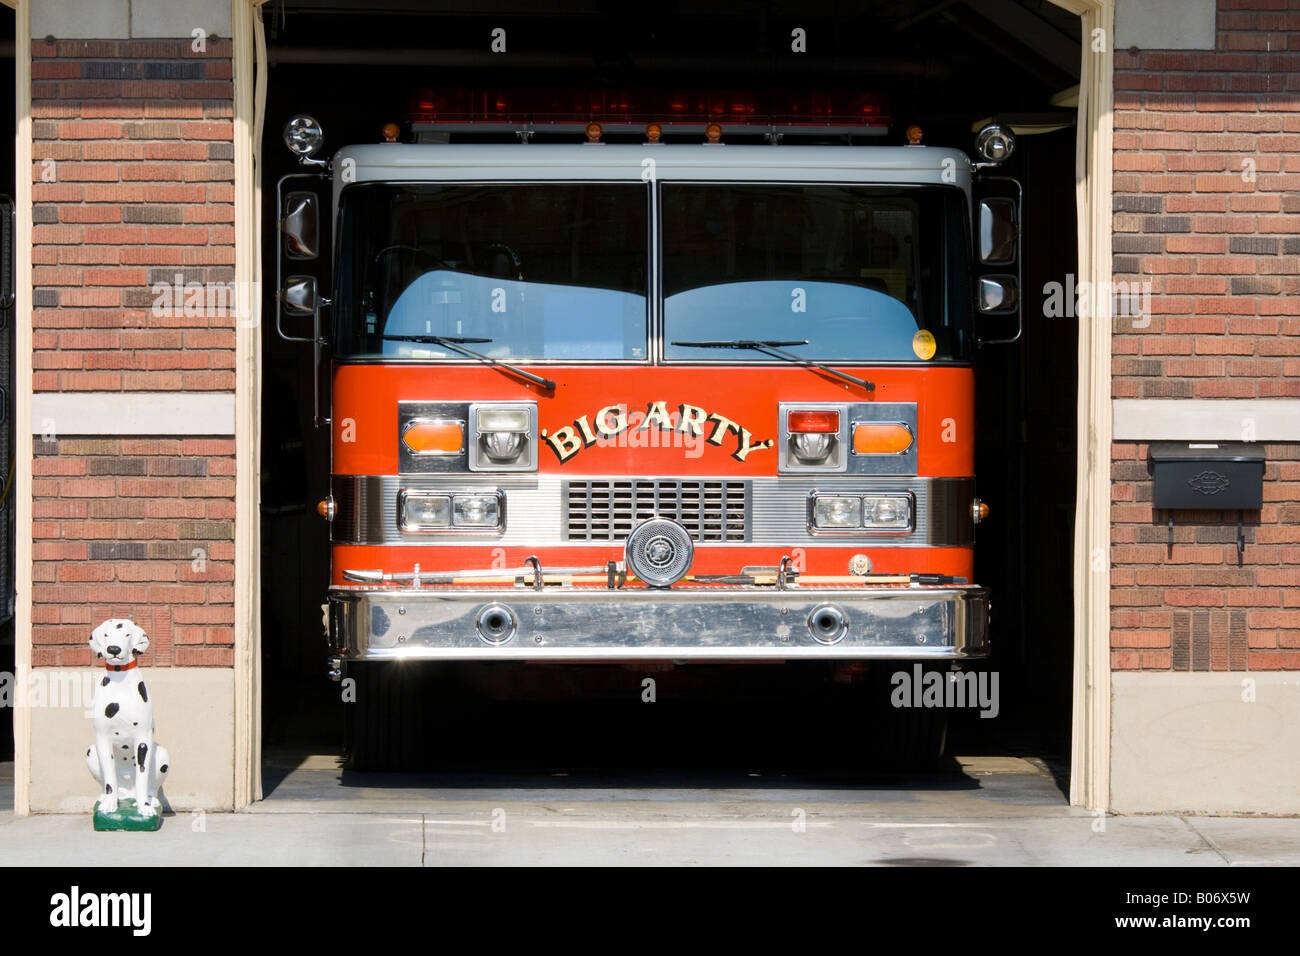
(120, 667)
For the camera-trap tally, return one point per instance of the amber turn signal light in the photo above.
(434, 437)
(881, 438)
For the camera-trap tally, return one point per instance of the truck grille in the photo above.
(609, 510)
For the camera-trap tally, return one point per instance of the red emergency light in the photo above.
(626, 111)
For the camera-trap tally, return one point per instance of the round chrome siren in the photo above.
(995, 143)
(659, 551)
(496, 623)
(303, 135)
(827, 624)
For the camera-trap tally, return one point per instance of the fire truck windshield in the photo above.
(857, 271)
(533, 270)
(559, 271)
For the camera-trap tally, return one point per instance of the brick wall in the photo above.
(133, 187)
(1207, 210)
(1199, 605)
(133, 184)
(141, 528)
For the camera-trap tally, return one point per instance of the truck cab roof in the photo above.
(479, 162)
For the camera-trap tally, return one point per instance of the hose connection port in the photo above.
(827, 624)
(496, 623)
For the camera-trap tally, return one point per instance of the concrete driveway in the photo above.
(1003, 811)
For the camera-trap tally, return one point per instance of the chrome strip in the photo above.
(700, 623)
(777, 515)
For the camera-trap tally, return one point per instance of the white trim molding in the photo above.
(1210, 419)
(1090, 750)
(133, 413)
(249, 68)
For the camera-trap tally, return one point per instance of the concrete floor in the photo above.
(983, 811)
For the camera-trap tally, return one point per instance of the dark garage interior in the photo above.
(945, 66)
(7, 429)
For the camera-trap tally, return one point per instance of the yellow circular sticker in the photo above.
(923, 344)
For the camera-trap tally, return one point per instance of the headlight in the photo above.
(419, 511)
(505, 437)
(887, 512)
(874, 512)
(475, 511)
(837, 512)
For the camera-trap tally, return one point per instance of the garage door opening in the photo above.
(947, 68)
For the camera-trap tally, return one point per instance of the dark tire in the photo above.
(387, 727)
(902, 738)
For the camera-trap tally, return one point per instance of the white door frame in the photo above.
(1090, 731)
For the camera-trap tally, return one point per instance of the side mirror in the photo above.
(999, 294)
(300, 296)
(999, 231)
(299, 234)
(300, 226)
(998, 239)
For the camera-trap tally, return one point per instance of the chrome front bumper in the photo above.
(682, 623)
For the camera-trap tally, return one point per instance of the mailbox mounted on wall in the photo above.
(1201, 476)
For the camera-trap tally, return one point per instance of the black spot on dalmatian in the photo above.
(100, 656)
(108, 788)
(104, 683)
(141, 753)
(111, 709)
(135, 651)
(163, 768)
(119, 625)
(144, 694)
(135, 723)
(88, 750)
(126, 746)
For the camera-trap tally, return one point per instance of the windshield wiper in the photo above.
(773, 347)
(458, 343)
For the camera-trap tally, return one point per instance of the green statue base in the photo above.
(127, 817)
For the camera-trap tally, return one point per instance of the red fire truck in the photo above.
(680, 388)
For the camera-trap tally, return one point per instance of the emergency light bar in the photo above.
(632, 111)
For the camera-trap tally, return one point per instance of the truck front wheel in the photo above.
(386, 715)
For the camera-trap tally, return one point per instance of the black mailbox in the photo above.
(1199, 476)
(1208, 476)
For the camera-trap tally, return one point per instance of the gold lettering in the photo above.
(693, 419)
(720, 430)
(620, 420)
(588, 438)
(564, 441)
(744, 446)
(657, 412)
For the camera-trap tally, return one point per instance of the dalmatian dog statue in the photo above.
(125, 759)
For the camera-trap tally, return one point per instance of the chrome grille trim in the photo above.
(711, 509)
(776, 515)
